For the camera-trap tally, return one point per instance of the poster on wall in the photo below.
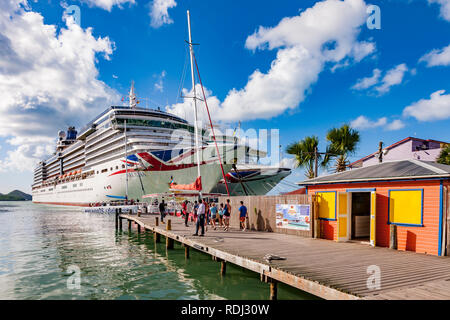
(293, 216)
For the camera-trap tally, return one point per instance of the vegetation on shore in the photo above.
(342, 142)
(15, 195)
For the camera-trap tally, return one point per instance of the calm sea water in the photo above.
(41, 246)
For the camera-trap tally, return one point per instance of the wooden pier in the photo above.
(320, 267)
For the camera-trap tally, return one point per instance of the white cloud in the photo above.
(159, 85)
(435, 108)
(159, 14)
(392, 77)
(365, 83)
(437, 57)
(395, 125)
(383, 85)
(445, 8)
(48, 80)
(290, 163)
(107, 4)
(363, 123)
(324, 35)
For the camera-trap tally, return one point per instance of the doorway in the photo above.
(360, 216)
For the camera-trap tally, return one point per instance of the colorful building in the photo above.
(409, 148)
(362, 203)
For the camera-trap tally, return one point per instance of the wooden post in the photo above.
(138, 227)
(186, 251)
(393, 237)
(223, 268)
(169, 241)
(273, 289)
(157, 237)
(129, 225)
(316, 219)
(120, 218)
(130, 212)
(117, 219)
(156, 221)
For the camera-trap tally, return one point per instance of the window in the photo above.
(75, 185)
(123, 166)
(111, 169)
(104, 170)
(406, 207)
(327, 205)
(64, 187)
(117, 167)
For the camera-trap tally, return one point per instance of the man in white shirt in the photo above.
(200, 219)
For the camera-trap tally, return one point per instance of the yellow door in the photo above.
(373, 210)
(342, 218)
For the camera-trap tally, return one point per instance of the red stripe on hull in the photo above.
(65, 203)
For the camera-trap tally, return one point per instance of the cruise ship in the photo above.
(127, 152)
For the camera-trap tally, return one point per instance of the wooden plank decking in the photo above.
(323, 268)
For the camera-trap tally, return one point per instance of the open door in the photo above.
(373, 210)
(343, 215)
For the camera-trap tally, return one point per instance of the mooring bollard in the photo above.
(169, 241)
(393, 237)
(156, 221)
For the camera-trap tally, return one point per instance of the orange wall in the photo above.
(420, 239)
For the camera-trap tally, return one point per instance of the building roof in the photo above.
(393, 146)
(403, 169)
(298, 191)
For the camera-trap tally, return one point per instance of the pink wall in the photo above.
(405, 151)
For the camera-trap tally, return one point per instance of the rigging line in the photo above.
(183, 77)
(212, 128)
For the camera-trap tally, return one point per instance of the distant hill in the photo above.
(15, 195)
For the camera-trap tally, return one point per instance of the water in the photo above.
(41, 247)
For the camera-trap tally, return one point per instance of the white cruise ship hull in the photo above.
(151, 175)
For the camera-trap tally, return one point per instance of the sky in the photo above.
(302, 67)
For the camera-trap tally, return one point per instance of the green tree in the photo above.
(342, 143)
(444, 156)
(303, 151)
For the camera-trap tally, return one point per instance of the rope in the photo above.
(212, 128)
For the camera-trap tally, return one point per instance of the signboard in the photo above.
(293, 216)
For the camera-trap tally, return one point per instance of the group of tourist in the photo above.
(204, 213)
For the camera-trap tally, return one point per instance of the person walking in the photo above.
(242, 215)
(221, 216)
(214, 215)
(195, 211)
(185, 212)
(227, 215)
(162, 210)
(200, 219)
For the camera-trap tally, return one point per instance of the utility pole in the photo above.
(380, 152)
(316, 156)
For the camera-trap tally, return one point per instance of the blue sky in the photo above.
(405, 62)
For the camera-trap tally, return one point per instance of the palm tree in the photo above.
(303, 151)
(342, 143)
(444, 156)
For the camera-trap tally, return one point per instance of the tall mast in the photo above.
(197, 144)
(126, 161)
